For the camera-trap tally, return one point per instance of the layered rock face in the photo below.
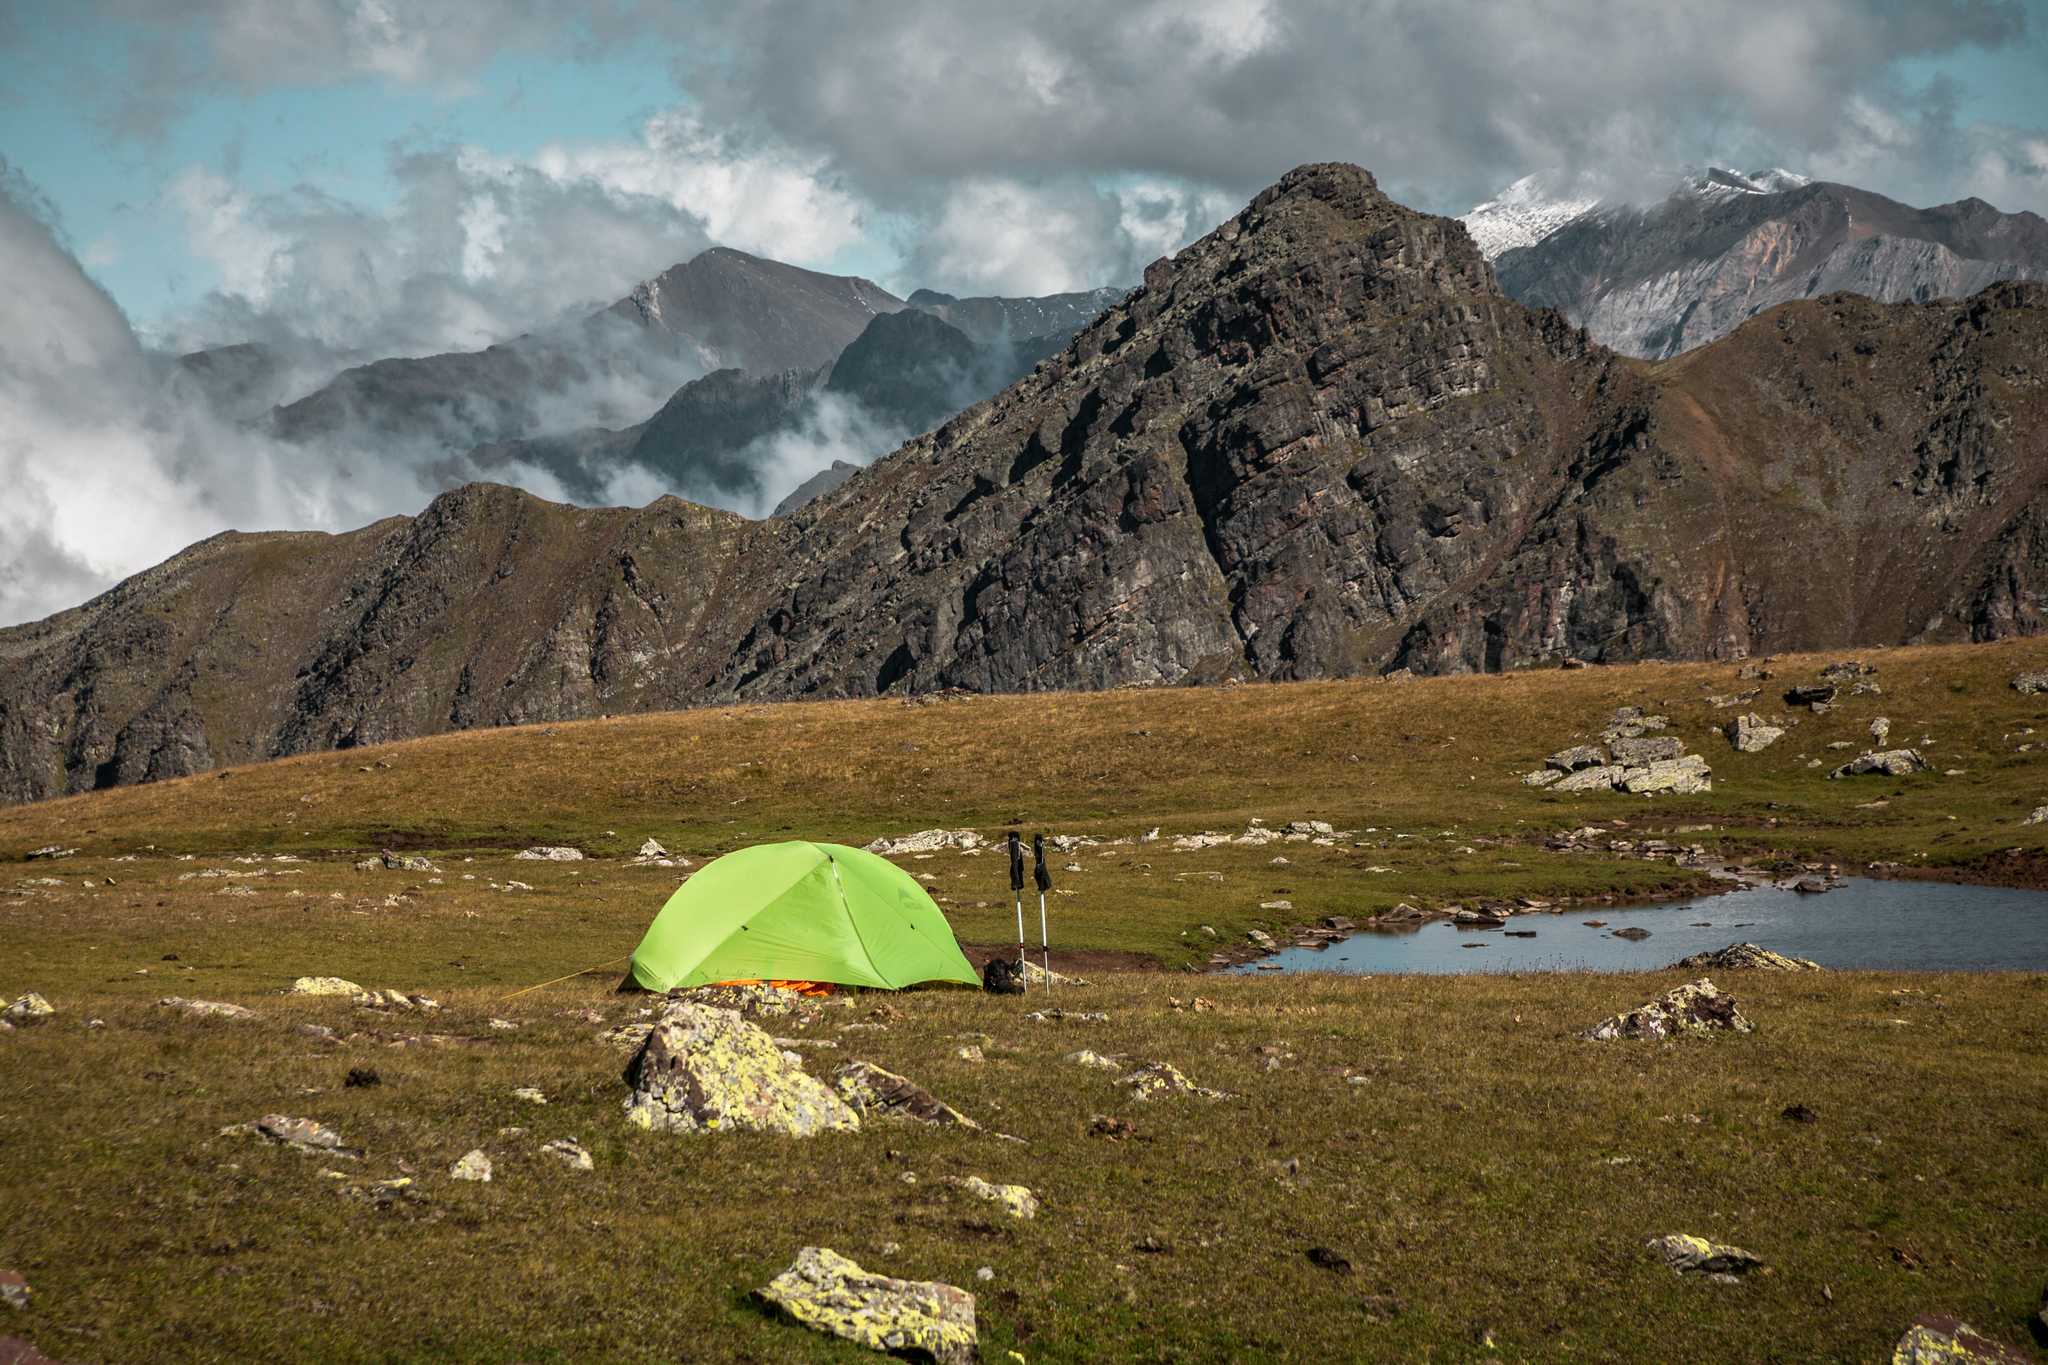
(1319, 442)
(1660, 281)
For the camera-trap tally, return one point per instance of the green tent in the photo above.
(799, 912)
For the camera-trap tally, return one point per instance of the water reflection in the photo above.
(1889, 925)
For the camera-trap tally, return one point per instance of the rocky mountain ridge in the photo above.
(1318, 442)
(1656, 281)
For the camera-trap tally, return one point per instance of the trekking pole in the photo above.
(1044, 880)
(1017, 886)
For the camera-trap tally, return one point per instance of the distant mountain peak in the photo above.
(1537, 205)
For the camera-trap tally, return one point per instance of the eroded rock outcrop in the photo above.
(1697, 1007)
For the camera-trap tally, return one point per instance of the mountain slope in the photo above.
(1318, 442)
(1659, 281)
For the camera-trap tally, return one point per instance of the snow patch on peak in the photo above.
(1531, 209)
(1717, 183)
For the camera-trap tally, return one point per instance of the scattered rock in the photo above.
(14, 1290)
(1638, 753)
(1807, 886)
(2028, 683)
(401, 862)
(474, 1165)
(756, 1001)
(1799, 1113)
(1938, 1339)
(1591, 779)
(1276, 905)
(1571, 760)
(1687, 1254)
(929, 841)
(51, 851)
(875, 1093)
(652, 849)
(1078, 1016)
(1751, 734)
(969, 1053)
(581, 1016)
(1159, 1078)
(830, 1293)
(1894, 763)
(360, 1079)
(1696, 1007)
(551, 853)
(323, 985)
(1679, 776)
(393, 1000)
(1329, 1260)
(502, 1025)
(1018, 1199)
(205, 1007)
(1116, 1130)
(304, 1135)
(531, 1094)
(1879, 728)
(1092, 1059)
(1745, 955)
(703, 1069)
(29, 1009)
(568, 1150)
(1810, 694)
(1633, 932)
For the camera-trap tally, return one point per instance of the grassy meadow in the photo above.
(1490, 1179)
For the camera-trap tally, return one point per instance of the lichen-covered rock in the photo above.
(758, 1000)
(1751, 734)
(2030, 683)
(394, 1000)
(1640, 753)
(876, 1093)
(218, 1008)
(708, 1070)
(1894, 763)
(1679, 776)
(1018, 1199)
(281, 1130)
(570, 1152)
(1696, 1007)
(2039, 815)
(474, 1165)
(1571, 760)
(1159, 1078)
(1938, 1339)
(404, 862)
(551, 853)
(323, 985)
(830, 1293)
(1087, 1057)
(1687, 1254)
(532, 1094)
(1745, 956)
(1601, 779)
(1542, 777)
(30, 1008)
(14, 1289)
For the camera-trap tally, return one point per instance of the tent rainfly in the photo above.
(799, 911)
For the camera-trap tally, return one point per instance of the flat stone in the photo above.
(551, 853)
(1679, 776)
(1152, 1079)
(1687, 1254)
(1745, 956)
(568, 1151)
(474, 1165)
(1017, 1199)
(219, 1008)
(876, 1093)
(2029, 683)
(704, 1070)
(14, 1290)
(1696, 1007)
(1751, 734)
(1939, 1339)
(1894, 763)
(323, 985)
(830, 1293)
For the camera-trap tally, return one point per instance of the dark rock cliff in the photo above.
(1319, 442)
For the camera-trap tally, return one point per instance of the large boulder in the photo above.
(1895, 763)
(1679, 776)
(1752, 735)
(1938, 1339)
(1696, 1007)
(924, 1319)
(704, 1069)
(2030, 683)
(1745, 956)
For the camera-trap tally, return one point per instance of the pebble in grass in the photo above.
(474, 1165)
(570, 1152)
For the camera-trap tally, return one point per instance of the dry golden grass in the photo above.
(1471, 1177)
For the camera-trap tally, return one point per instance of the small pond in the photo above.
(1884, 925)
